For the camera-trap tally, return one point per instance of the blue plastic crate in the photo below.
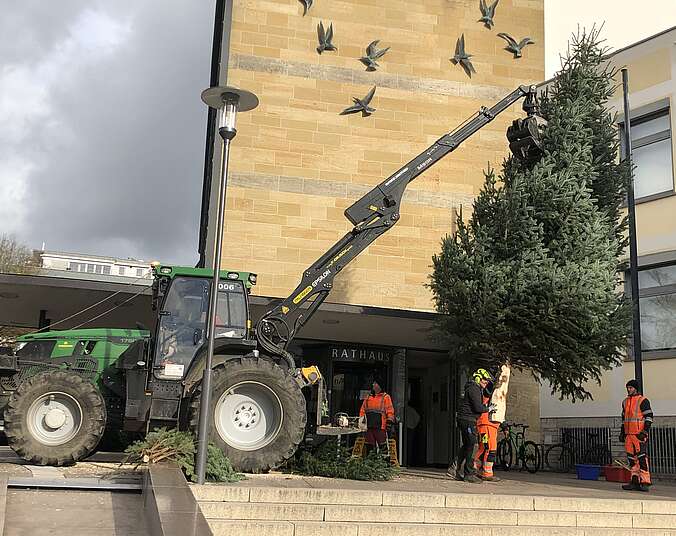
(587, 472)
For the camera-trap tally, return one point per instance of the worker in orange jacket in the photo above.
(378, 410)
(637, 418)
(487, 430)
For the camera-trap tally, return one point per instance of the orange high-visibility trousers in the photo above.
(637, 455)
(488, 446)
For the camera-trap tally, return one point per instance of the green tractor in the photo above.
(63, 393)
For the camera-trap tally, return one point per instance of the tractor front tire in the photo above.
(257, 413)
(55, 418)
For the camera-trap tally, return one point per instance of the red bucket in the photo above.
(615, 473)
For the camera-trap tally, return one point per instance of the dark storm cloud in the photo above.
(110, 159)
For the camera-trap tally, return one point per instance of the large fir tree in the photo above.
(531, 280)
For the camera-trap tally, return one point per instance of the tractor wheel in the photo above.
(257, 413)
(55, 418)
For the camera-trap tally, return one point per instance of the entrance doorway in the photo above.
(429, 410)
(352, 383)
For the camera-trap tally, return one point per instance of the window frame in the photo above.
(641, 116)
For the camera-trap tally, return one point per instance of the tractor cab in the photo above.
(181, 299)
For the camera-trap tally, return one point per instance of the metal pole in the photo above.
(633, 250)
(203, 430)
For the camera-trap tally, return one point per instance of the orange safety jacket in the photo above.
(377, 409)
(634, 416)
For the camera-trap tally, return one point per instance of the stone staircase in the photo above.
(268, 511)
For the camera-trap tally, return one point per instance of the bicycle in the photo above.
(527, 452)
(561, 457)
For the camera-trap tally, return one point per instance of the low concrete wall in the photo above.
(169, 507)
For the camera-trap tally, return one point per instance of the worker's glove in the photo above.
(492, 408)
(621, 437)
(642, 435)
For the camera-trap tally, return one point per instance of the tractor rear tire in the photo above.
(55, 418)
(257, 413)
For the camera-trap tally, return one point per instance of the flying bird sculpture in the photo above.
(487, 13)
(462, 57)
(373, 54)
(325, 38)
(361, 105)
(307, 4)
(513, 46)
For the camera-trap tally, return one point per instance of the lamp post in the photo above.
(633, 249)
(227, 101)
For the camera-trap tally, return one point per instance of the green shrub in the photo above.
(164, 445)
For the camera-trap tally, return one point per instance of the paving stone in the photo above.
(257, 528)
(574, 504)
(381, 514)
(315, 496)
(603, 519)
(263, 511)
(655, 521)
(208, 492)
(553, 519)
(406, 529)
(309, 528)
(659, 507)
(402, 498)
(470, 516)
(492, 502)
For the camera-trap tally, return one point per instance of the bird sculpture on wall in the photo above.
(307, 4)
(325, 38)
(487, 13)
(462, 57)
(361, 105)
(513, 46)
(373, 54)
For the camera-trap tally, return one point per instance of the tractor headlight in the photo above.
(252, 279)
(233, 275)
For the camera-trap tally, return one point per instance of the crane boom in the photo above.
(377, 212)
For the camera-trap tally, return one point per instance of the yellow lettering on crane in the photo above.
(285, 309)
(337, 257)
(302, 295)
(373, 208)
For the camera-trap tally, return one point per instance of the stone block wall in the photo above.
(296, 164)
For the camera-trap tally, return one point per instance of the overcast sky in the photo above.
(102, 129)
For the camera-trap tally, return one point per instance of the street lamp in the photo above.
(227, 101)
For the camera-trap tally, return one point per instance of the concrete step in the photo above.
(310, 528)
(341, 512)
(637, 504)
(434, 515)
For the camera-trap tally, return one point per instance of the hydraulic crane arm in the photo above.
(375, 213)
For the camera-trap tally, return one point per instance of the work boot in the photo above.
(452, 472)
(492, 478)
(643, 487)
(472, 479)
(633, 485)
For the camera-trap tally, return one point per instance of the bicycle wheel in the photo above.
(530, 457)
(504, 454)
(559, 458)
(597, 455)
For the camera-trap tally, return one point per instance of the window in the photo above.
(121, 270)
(139, 272)
(106, 270)
(651, 153)
(657, 290)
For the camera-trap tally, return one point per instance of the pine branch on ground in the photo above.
(163, 445)
(328, 460)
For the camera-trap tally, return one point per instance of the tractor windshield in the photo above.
(183, 319)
